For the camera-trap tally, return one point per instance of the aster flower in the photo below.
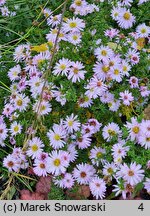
(56, 164)
(97, 187)
(134, 129)
(106, 97)
(116, 74)
(57, 136)
(35, 147)
(36, 85)
(83, 173)
(111, 33)
(96, 155)
(94, 124)
(120, 150)
(144, 91)
(111, 130)
(40, 167)
(132, 174)
(97, 85)
(114, 105)
(15, 128)
(126, 97)
(109, 169)
(74, 38)
(125, 19)
(62, 67)
(85, 101)
(76, 72)
(5, 11)
(11, 163)
(101, 70)
(68, 181)
(8, 109)
(14, 72)
(133, 56)
(74, 24)
(125, 68)
(115, 13)
(65, 157)
(21, 52)
(54, 20)
(21, 102)
(133, 82)
(42, 107)
(84, 141)
(142, 30)
(71, 123)
(103, 52)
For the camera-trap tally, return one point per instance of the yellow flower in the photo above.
(40, 48)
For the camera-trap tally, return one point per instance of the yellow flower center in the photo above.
(148, 139)
(57, 162)
(63, 67)
(99, 155)
(135, 129)
(61, 35)
(55, 18)
(104, 52)
(111, 132)
(78, 2)
(15, 73)
(86, 99)
(16, 128)
(110, 170)
(70, 123)
(75, 37)
(110, 104)
(105, 69)
(34, 148)
(73, 24)
(37, 84)
(143, 30)
(124, 68)
(126, 16)
(42, 108)
(19, 102)
(116, 71)
(57, 137)
(75, 70)
(116, 14)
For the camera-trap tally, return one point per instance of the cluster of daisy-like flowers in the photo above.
(69, 138)
(122, 14)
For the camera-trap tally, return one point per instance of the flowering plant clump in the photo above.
(75, 100)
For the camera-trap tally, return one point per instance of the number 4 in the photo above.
(141, 207)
